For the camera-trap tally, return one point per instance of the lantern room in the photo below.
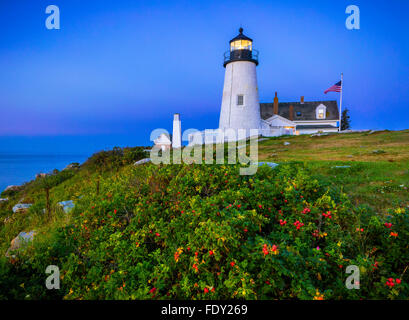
(241, 49)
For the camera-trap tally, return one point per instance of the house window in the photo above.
(240, 100)
(321, 112)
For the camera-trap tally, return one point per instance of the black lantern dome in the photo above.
(241, 49)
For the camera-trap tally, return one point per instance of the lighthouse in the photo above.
(240, 103)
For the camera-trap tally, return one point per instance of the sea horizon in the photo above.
(22, 157)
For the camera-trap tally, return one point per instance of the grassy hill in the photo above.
(206, 232)
(379, 163)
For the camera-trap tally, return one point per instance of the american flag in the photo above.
(335, 88)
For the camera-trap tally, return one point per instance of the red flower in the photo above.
(306, 210)
(212, 289)
(157, 234)
(267, 282)
(388, 225)
(239, 205)
(115, 211)
(245, 230)
(298, 224)
(390, 282)
(206, 290)
(394, 234)
(260, 206)
(265, 249)
(188, 248)
(232, 263)
(327, 215)
(153, 290)
(282, 222)
(211, 252)
(196, 253)
(398, 281)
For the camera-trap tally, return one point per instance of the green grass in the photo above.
(379, 172)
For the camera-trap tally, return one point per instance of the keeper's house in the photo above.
(307, 116)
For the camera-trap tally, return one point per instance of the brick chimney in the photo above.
(291, 111)
(302, 100)
(275, 110)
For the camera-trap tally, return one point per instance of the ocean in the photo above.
(15, 169)
(22, 157)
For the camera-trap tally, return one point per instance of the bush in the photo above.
(205, 232)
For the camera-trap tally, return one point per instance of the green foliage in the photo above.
(205, 232)
(345, 120)
(114, 159)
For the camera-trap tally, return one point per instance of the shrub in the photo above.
(205, 232)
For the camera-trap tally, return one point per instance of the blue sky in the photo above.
(122, 68)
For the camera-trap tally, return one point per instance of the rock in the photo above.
(4, 200)
(319, 134)
(350, 156)
(20, 241)
(74, 165)
(21, 207)
(8, 220)
(341, 167)
(378, 151)
(41, 175)
(286, 143)
(67, 206)
(146, 160)
(272, 165)
(12, 188)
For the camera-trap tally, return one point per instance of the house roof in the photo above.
(307, 110)
(163, 139)
(277, 120)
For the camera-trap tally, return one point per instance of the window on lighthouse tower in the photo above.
(240, 100)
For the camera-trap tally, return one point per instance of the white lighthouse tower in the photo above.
(177, 131)
(240, 104)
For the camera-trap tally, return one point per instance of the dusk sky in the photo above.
(122, 68)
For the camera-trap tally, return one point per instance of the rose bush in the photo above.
(205, 232)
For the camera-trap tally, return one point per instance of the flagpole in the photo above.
(340, 101)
